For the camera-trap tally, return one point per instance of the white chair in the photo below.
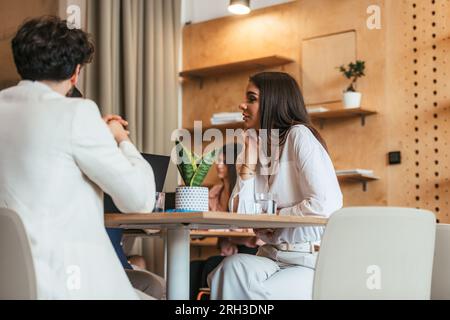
(17, 275)
(440, 287)
(376, 253)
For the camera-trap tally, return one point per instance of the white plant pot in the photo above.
(192, 198)
(352, 99)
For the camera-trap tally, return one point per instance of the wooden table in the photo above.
(178, 226)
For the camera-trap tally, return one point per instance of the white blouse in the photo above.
(304, 185)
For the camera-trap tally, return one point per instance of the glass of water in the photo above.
(265, 203)
(160, 202)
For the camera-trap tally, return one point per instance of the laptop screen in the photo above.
(159, 164)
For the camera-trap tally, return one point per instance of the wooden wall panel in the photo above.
(322, 82)
(265, 32)
(352, 145)
(12, 14)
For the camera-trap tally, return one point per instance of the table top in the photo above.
(209, 220)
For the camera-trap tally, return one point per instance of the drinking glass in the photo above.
(265, 203)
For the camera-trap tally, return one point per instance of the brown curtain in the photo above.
(134, 74)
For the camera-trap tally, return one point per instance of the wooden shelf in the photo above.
(222, 127)
(246, 65)
(359, 178)
(316, 116)
(342, 113)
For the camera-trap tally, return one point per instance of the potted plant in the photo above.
(354, 71)
(193, 170)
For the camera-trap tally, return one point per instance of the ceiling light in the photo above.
(239, 7)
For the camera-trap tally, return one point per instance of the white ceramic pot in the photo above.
(192, 198)
(352, 99)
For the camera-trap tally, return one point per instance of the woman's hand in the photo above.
(251, 149)
(248, 168)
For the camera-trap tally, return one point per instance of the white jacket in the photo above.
(56, 157)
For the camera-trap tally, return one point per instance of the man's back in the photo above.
(35, 127)
(57, 156)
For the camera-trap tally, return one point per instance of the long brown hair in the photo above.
(234, 150)
(281, 105)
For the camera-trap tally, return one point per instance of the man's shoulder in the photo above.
(8, 93)
(28, 95)
(81, 105)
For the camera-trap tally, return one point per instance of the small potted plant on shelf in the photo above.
(354, 71)
(193, 170)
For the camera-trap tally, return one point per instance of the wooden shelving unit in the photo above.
(239, 66)
(358, 178)
(315, 116)
(342, 113)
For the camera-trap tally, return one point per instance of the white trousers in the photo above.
(248, 277)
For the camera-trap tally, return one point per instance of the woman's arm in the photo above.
(242, 197)
(316, 174)
(215, 194)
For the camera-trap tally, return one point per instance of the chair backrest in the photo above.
(376, 253)
(440, 287)
(17, 275)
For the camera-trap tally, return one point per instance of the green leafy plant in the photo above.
(353, 71)
(193, 168)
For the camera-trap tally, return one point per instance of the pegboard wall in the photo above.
(420, 122)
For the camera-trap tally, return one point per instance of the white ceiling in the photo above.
(201, 10)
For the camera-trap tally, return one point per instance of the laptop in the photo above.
(160, 165)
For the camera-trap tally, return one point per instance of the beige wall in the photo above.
(12, 14)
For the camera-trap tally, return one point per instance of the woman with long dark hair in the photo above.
(219, 194)
(293, 165)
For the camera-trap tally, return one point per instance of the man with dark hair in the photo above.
(46, 49)
(58, 156)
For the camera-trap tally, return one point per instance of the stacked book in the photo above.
(364, 172)
(318, 109)
(226, 117)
